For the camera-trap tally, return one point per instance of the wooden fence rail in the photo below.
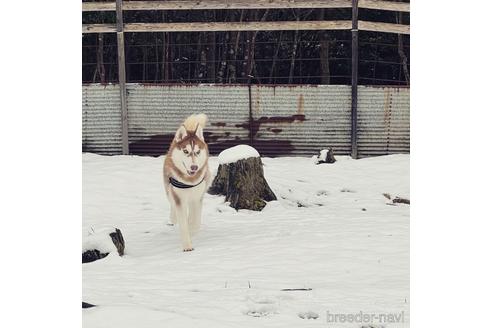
(244, 4)
(247, 26)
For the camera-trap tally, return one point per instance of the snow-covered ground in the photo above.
(331, 231)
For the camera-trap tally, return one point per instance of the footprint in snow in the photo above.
(261, 307)
(261, 310)
(308, 315)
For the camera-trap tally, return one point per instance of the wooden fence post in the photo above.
(122, 76)
(355, 74)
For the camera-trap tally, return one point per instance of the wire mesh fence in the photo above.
(253, 57)
(287, 57)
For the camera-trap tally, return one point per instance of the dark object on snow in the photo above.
(118, 241)
(92, 255)
(87, 305)
(401, 200)
(243, 184)
(296, 289)
(396, 200)
(326, 157)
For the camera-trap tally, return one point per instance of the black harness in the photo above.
(181, 185)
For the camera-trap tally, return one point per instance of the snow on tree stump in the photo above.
(99, 244)
(325, 157)
(240, 178)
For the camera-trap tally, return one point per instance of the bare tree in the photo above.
(210, 56)
(232, 75)
(156, 64)
(294, 49)
(165, 53)
(198, 61)
(251, 40)
(401, 51)
(210, 51)
(275, 56)
(223, 55)
(144, 63)
(324, 52)
(100, 70)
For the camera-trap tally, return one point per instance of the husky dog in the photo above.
(187, 177)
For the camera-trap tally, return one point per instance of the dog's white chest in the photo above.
(191, 193)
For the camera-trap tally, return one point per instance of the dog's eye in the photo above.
(198, 152)
(185, 151)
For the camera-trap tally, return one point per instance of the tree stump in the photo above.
(86, 305)
(240, 178)
(97, 247)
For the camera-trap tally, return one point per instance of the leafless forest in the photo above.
(257, 57)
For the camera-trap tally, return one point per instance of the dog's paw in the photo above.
(188, 249)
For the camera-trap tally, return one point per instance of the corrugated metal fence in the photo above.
(101, 119)
(276, 120)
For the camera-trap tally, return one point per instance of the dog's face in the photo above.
(190, 153)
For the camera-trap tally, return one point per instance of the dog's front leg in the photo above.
(172, 216)
(184, 229)
(195, 216)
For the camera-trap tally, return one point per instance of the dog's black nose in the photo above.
(194, 167)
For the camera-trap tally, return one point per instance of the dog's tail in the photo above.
(192, 122)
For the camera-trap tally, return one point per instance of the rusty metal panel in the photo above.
(284, 120)
(301, 120)
(383, 120)
(101, 119)
(156, 111)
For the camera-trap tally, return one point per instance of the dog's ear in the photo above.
(199, 133)
(180, 134)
